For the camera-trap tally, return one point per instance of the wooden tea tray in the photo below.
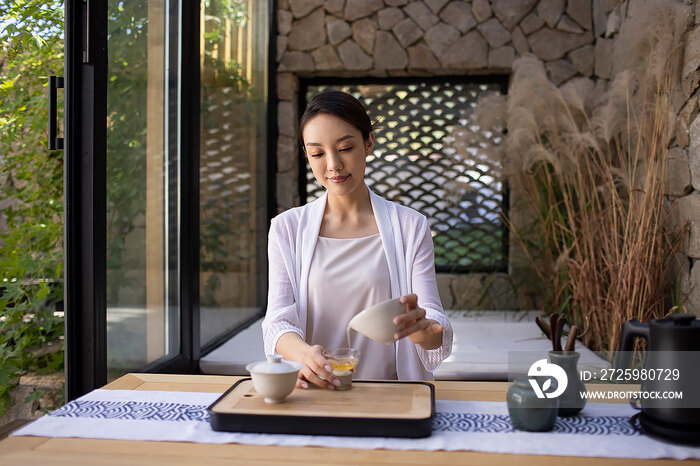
(368, 409)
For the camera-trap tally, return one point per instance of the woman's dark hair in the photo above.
(340, 104)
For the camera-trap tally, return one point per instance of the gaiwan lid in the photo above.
(275, 364)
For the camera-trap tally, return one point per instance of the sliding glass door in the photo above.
(143, 179)
(233, 165)
(165, 181)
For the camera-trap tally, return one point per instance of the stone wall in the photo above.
(34, 396)
(684, 166)
(386, 38)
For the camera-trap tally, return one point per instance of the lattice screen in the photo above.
(416, 162)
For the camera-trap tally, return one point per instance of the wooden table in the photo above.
(49, 450)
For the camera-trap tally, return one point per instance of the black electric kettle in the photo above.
(672, 364)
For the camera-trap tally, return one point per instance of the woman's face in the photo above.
(336, 152)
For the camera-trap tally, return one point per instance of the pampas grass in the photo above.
(588, 167)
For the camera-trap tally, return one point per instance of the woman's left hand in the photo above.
(424, 332)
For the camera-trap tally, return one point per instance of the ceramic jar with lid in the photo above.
(527, 411)
(275, 378)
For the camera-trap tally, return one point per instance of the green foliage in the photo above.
(215, 14)
(35, 395)
(31, 191)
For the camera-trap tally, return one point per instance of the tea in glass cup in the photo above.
(342, 362)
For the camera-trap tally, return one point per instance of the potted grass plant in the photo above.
(586, 164)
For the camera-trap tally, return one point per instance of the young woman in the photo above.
(346, 251)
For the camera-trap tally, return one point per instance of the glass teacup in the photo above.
(342, 362)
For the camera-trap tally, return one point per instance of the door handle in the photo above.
(55, 143)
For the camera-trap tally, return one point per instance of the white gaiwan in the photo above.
(275, 378)
(377, 322)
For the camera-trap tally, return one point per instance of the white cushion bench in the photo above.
(480, 349)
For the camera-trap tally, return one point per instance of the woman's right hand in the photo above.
(316, 369)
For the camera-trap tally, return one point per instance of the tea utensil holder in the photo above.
(571, 402)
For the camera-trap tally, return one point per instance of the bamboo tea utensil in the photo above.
(557, 338)
(544, 326)
(553, 327)
(556, 332)
(571, 340)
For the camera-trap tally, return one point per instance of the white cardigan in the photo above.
(408, 246)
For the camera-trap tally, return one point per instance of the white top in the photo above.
(408, 249)
(346, 276)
